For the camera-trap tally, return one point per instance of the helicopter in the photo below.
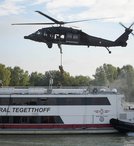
(69, 36)
(62, 35)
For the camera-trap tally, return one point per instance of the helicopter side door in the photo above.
(72, 38)
(48, 37)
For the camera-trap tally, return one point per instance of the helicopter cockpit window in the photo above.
(45, 33)
(38, 32)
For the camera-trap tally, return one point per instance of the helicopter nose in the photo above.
(25, 37)
(30, 37)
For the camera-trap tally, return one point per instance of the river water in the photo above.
(67, 140)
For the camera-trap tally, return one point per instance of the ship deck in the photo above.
(56, 90)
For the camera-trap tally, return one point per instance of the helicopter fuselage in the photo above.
(68, 36)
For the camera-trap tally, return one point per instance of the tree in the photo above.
(105, 75)
(127, 78)
(100, 77)
(65, 79)
(4, 75)
(51, 74)
(111, 72)
(36, 79)
(19, 77)
(58, 78)
(82, 80)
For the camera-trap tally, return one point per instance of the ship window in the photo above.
(24, 101)
(30, 119)
(17, 119)
(84, 101)
(48, 101)
(55, 101)
(97, 101)
(48, 119)
(52, 101)
(24, 119)
(4, 119)
(4, 101)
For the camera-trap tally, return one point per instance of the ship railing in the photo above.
(58, 90)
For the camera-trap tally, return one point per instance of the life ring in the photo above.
(95, 90)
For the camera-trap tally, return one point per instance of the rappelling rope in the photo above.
(61, 59)
(60, 66)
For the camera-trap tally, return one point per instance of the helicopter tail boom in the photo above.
(122, 40)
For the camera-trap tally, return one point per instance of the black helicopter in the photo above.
(70, 36)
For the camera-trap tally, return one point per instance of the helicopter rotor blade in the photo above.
(123, 25)
(33, 24)
(62, 22)
(89, 20)
(131, 25)
(54, 20)
(132, 34)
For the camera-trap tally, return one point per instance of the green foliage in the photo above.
(126, 78)
(36, 79)
(100, 77)
(4, 75)
(19, 77)
(66, 79)
(105, 75)
(82, 80)
(111, 72)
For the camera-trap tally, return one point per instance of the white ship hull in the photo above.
(61, 111)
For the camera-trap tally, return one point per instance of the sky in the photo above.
(77, 60)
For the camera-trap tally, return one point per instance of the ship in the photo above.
(42, 110)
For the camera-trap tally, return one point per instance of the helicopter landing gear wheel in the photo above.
(108, 50)
(49, 44)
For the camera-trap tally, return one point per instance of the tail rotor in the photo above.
(131, 25)
(129, 28)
